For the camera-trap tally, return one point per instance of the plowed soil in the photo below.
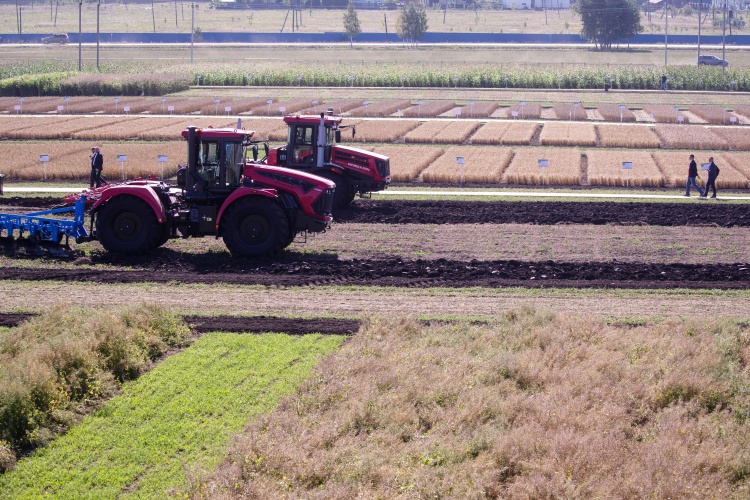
(288, 269)
(254, 324)
(708, 213)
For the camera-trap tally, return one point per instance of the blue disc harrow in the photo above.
(44, 232)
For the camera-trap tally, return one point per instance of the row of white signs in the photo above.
(120, 158)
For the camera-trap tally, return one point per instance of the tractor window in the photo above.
(208, 167)
(234, 156)
(303, 145)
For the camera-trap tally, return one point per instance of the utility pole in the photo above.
(192, 29)
(700, 7)
(666, 30)
(724, 36)
(98, 5)
(80, 7)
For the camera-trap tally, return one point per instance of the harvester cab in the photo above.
(312, 147)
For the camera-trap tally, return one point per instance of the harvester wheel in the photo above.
(127, 224)
(255, 227)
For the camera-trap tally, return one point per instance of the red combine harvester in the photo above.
(256, 208)
(311, 147)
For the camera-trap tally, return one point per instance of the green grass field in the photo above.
(172, 423)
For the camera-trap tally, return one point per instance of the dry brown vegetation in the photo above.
(612, 113)
(482, 109)
(532, 110)
(689, 137)
(428, 109)
(605, 169)
(62, 127)
(735, 169)
(506, 132)
(740, 162)
(532, 406)
(627, 136)
(742, 110)
(339, 107)
(568, 134)
(379, 130)
(664, 113)
(737, 138)
(237, 106)
(380, 109)
(426, 131)
(70, 160)
(564, 167)
(674, 167)
(712, 114)
(567, 111)
(172, 130)
(408, 162)
(290, 105)
(456, 132)
(481, 165)
(731, 177)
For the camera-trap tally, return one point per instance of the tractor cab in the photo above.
(310, 141)
(216, 158)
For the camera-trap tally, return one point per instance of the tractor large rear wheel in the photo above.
(255, 227)
(127, 224)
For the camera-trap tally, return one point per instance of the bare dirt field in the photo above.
(450, 261)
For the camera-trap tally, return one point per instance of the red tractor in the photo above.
(257, 209)
(311, 147)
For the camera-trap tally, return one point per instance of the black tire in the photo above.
(127, 224)
(343, 196)
(255, 227)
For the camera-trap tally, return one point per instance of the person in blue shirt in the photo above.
(713, 173)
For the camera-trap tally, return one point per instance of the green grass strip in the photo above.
(175, 420)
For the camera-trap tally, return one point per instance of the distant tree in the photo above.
(608, 21)
(351, 23)
(412, 23)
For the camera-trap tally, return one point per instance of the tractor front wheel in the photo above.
(342, 197)
(255, 227)
(127, 224)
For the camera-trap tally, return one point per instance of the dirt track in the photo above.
(707, 213)
(254, 324)
(290, 269)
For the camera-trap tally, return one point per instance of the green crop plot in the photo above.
(174, 421)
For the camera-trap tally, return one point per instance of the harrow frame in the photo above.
(40, 230)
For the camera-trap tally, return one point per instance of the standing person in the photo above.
(97, 164)
(713, 173)
(663, 85)
(692, 174)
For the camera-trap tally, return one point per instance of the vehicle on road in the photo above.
(711, 61)
(60, 38)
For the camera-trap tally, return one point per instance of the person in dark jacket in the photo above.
(713, 173)
(692, 175)
(97, 164)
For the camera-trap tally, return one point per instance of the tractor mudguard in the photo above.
(241, 193)
(143, 192)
